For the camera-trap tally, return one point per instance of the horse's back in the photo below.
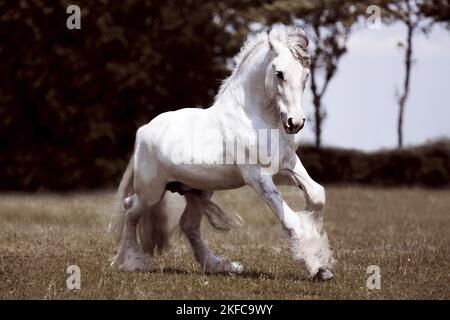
(186, 146)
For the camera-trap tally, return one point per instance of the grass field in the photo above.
(404, 231)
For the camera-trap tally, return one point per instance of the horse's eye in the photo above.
(279, 75)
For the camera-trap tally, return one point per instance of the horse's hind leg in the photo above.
(130, 256)
(190, 224)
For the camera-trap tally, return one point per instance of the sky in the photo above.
(360, 102)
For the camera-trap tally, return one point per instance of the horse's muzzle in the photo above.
(293, 126)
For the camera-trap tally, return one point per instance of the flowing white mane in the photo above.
(292, 37)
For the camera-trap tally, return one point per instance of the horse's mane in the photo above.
(292, 37)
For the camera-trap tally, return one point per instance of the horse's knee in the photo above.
(132, 209)
(317, 198)
(128, 202)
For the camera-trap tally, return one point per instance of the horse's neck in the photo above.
(245, 95)
(243, 107)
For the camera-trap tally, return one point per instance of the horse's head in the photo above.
(287, 74)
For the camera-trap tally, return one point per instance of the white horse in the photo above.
(263, 93)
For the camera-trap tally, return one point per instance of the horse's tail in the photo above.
(153, 226)
(219, 219)
(125, 190)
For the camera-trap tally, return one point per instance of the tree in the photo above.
(408, 13)
(438, 10)
(71, 100)
(328, 26)
(417, 16)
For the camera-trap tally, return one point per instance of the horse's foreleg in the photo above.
(315, 202)
(314, 192)
(305, 239)
(190, 224)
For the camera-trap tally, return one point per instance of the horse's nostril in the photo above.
(290, 123)
(302, 124)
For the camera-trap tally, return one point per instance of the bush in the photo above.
(427, 165)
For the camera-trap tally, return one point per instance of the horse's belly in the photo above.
(208, 177)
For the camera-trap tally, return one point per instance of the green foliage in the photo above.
(438, 10)
(427, 165)
(71, 100)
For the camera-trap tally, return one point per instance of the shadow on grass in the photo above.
(249, 274)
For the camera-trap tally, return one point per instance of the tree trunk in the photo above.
(317, 120)
(402, 99)
(317, 106)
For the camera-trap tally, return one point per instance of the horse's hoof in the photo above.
(236, 267)
(226, 266)
(323, 275)
(134, 266)
(134, 263)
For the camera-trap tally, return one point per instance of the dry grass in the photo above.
(404, 231)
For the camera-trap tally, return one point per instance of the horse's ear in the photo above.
(274, 44)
